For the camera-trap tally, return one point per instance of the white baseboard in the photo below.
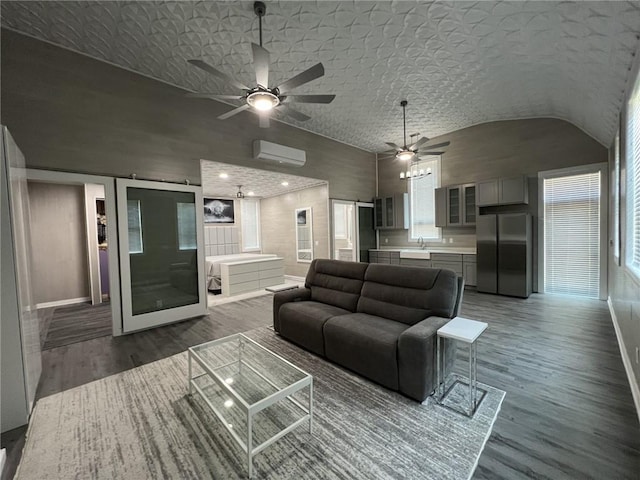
(60, 303)
(635, 391)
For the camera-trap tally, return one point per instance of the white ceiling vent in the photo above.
(273, 152)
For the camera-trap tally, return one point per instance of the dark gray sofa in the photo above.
(377, 320)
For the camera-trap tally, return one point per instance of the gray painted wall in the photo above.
(277, 224)
(497, 149)
(624, 287)
(58, 235)
(70, 112)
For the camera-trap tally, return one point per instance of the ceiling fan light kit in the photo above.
(409, 153)
(261, 98)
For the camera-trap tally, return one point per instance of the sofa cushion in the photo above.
(366, 344)
(302, 322)
(335, 282)
(408, 294)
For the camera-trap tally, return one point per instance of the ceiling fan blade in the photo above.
(233, 112)
(431, 153)
(310, 74)
(264, 121)
(438, 145)
(418, 143)
(214, 96)
(310, 98)
(217, 73)
(295, 114)
(394, 146)
(261, 64)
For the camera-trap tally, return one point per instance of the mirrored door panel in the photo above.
(304, 235)
(160, 228)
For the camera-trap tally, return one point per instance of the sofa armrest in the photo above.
(417, 362)
(280, 298)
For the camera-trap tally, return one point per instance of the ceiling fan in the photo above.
(262, 98)
(410, 153)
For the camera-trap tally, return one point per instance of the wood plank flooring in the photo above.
(568, 412)
(76, 323)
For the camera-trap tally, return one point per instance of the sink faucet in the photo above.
(421, 242)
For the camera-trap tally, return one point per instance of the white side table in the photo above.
(466, 331)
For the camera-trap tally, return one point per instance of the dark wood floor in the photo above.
(568, 412)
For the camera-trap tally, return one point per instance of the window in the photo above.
(572, 235)
(422, 209)
(135, 226)
(186, 214)
(250, 224)
(632, 253)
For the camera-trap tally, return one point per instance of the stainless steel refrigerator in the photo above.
(504, 254)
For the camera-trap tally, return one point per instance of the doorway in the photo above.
(574, 231)
(94, 188)
(353, 233)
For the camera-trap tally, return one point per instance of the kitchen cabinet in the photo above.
(456, 206)
(503, 191)
(391, 212)
(415, 262)
(384, 256)
(463, 265)
(450, 261)
(469, 270)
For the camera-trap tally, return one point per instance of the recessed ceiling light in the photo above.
(251, 194)
(285, 184)
(223, 175)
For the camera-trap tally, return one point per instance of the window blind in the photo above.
(250, 224)
(632, 254)
(422, 201)
(572, 235)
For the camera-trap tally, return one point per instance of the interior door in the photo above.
(365, 231)
(160, 230)
(21, 356)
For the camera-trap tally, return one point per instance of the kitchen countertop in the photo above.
(454, 250)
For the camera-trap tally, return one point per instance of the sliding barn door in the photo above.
(160, 230)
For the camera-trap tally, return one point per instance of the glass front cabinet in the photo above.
(456, 206)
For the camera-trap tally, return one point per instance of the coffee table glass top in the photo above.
(249, 371)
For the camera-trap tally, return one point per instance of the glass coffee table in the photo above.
(258, 396)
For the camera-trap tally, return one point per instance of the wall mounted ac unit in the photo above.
(273, 152)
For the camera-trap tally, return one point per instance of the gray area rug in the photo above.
(77, 323)
(141, 424)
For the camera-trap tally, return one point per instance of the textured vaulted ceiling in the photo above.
(457, 63)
